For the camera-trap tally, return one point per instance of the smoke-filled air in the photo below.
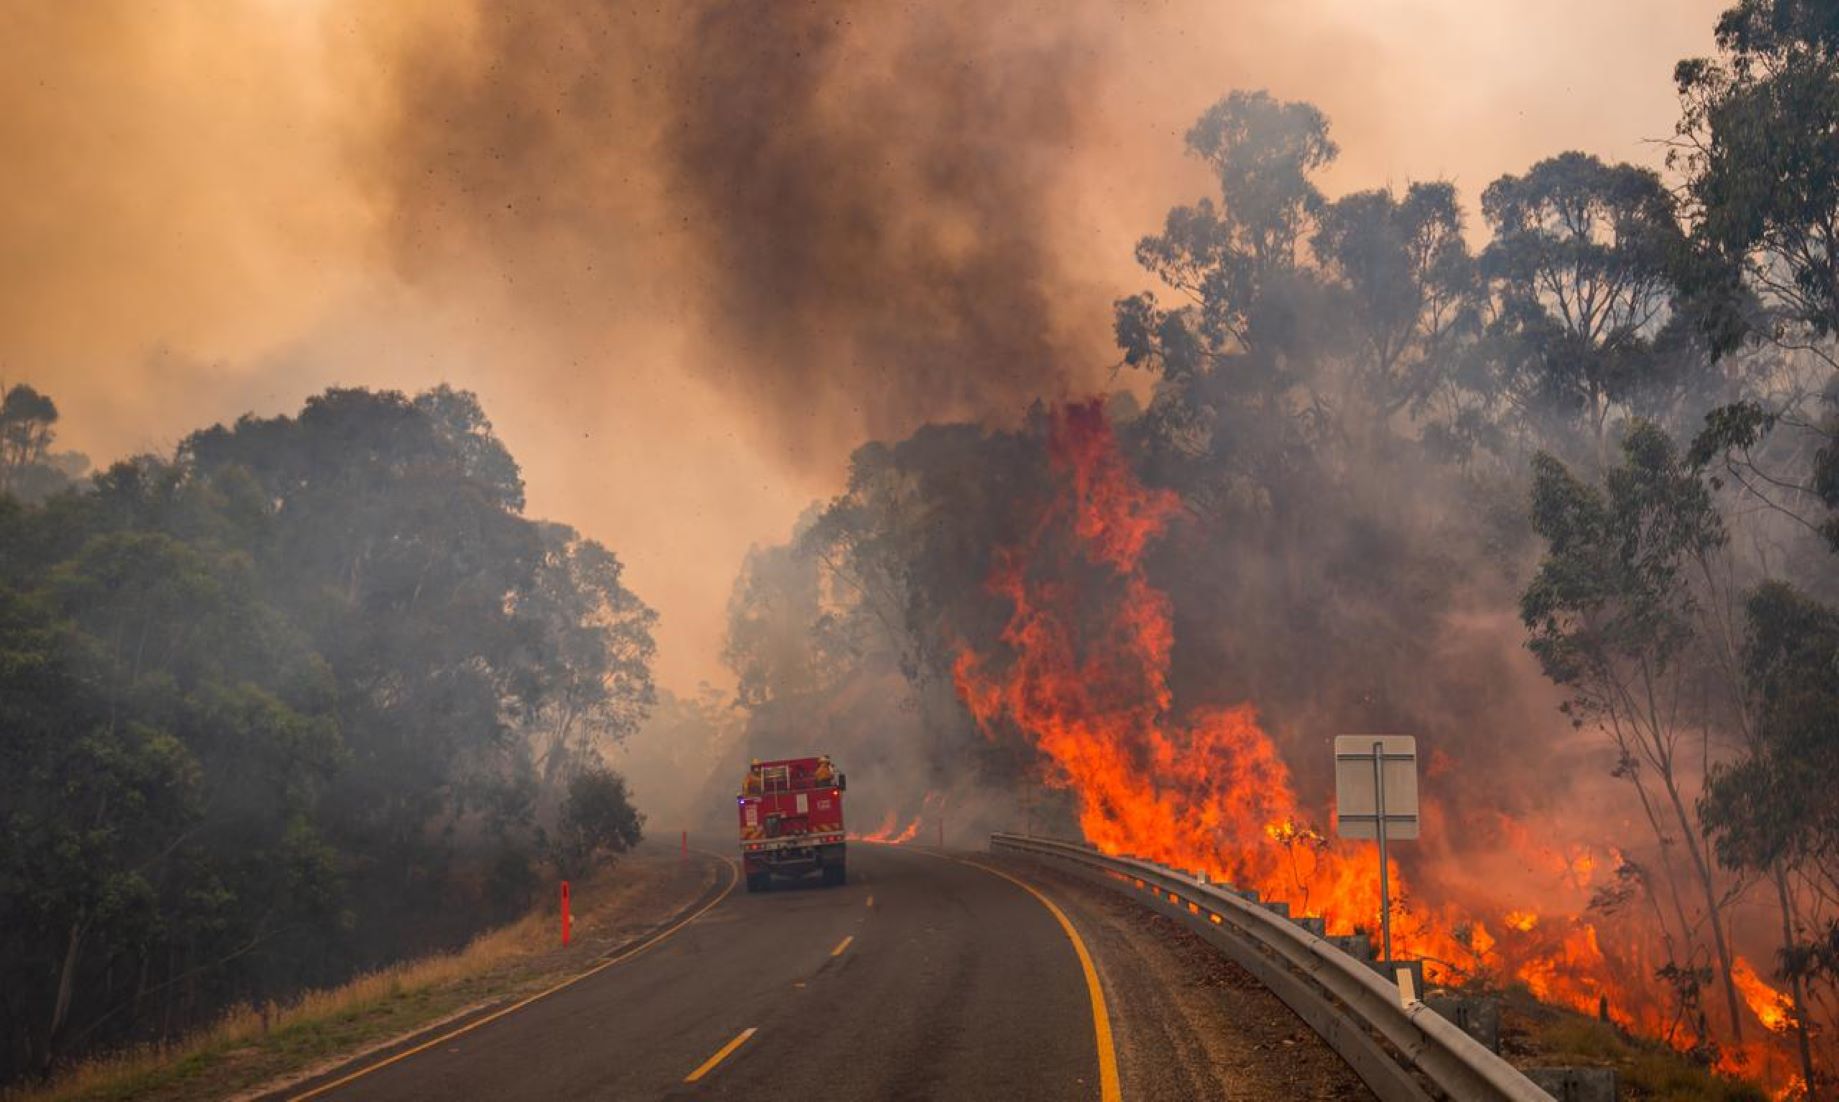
(442, 445)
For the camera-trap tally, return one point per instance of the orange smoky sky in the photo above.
(690, 255)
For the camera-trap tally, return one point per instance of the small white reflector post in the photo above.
(1407, 989)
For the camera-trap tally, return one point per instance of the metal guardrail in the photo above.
(1359, 1014)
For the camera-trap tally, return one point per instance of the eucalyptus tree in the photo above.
(1404, 284)
(1580, 282)
(1770, 812)
(1758, 144)
(1612, 613)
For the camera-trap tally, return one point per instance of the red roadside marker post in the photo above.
(684, 853)
(565, 922)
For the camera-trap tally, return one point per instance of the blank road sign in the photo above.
(1356, 794)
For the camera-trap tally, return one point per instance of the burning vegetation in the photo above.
(1554, 505)
(1547, 476)
(1084, 679)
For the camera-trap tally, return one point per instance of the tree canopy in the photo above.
(269, 701)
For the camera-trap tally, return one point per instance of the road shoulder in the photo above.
(609, 930)
(327, 1032)
(1188, 1022)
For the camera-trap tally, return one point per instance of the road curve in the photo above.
(924, 977)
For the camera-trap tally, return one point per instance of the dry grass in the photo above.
(1544, 1035)
(341, 1021)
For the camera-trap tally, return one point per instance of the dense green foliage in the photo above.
(597, 818)
(300, 699)
(1759, 143)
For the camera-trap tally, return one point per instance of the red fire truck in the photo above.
(792, 821)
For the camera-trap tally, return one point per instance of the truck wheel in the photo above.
(758, 881)
(835, 876)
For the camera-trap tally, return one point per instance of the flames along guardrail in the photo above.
(1342, 999)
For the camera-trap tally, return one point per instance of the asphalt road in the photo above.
(953, 983)
(927, 976)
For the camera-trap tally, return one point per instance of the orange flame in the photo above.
(1209, 792)
(1774, 1009)
(1764, 1062)
(1085, 680)
(886, 833)
(881, 832)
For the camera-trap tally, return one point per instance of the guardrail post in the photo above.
(1478, 1016)
(1358, 946)
(1576, 1084)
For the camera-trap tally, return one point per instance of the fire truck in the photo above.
(792, 821)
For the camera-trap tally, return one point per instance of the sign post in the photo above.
(1376, 796)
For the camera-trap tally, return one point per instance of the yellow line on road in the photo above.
(733, 878)
(1101, 1020)
(871, 899)
(720, 1055)
(842, 945)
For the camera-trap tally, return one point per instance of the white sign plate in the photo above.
(1356, 795)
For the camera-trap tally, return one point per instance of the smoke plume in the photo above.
(689, 255)
(859, 199)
